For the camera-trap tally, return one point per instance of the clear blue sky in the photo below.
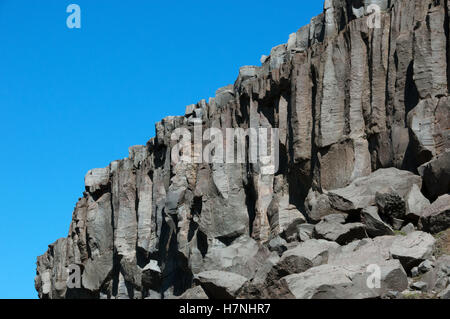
(72, 100)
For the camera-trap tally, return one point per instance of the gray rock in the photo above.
(290, 264)
(427, 132)
(420, 285)
(332, 228)
(199, 113)
(220, 284)
(445, 294)
(436, 175)
(243, 257)
(412, 249)
(391, 295)
(363, 252)
(194, 293)
(263, 59)
(224, 214)
(151, 275)
(397, 224)
(374, 224)
(392, 206)
(416, 204)
(425, 266)
(190, 109)
(277, 56)
(265, 271)
(436, 217)
(278, 244)
(318, 206)
(361, 193)
(439, 277)
(97, 178)
(308, 254)
(284, 218)
(408, 229)
(224, 95)
(305, 231)
(247, 72)
(339, 282)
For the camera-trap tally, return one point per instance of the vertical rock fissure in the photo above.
(447, 36)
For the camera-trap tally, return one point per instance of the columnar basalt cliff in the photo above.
(362, 106)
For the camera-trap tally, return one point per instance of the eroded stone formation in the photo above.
(364, 152)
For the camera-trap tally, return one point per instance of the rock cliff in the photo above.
(360, 98)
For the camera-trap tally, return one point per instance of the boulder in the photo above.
(224, 214)
(244, 256)
(391, 295)
(152, 275)
(436, 175)
(412, 249)
(194, 293)
(264, 273)
(420, 286)
(278, 244)
(439, 277)
(408, 229)
(391, 206)
(220, 284)
(326, 282)
(397, 223)
(189, 110)
(436, 217)
(362, 191)
(426, 130)
(132, 275)
(445, 294)
(318, 206)
(290, 264)
(305, 231)
(265, 283)
(284, 217)
(97, 178)
(374, 224)
(332, 228)
(425, 266)
(363, 252)
(416, 204)
(307, 254)
(346, 282)
(224, 95)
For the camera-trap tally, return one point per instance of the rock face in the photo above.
(436, 217)
(361, 104)
(374, 224)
